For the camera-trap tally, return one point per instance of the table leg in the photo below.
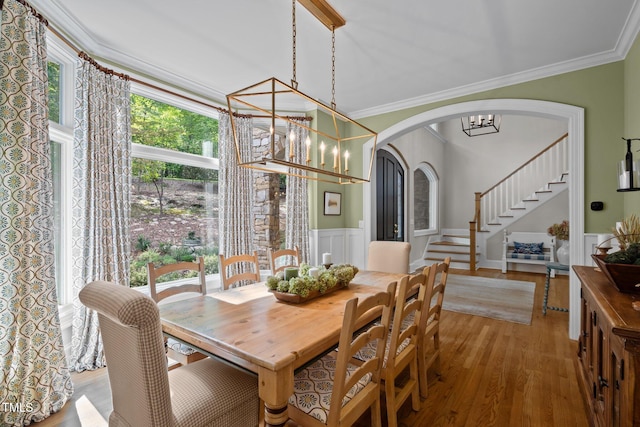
(275, 387)
(546, 292)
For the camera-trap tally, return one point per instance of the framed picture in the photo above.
(332, 203)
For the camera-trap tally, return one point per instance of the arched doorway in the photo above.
(575, 125)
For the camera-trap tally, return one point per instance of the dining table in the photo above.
(250, 328)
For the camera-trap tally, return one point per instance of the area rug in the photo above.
(510, 300)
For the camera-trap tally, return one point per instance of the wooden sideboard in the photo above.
(608, 351)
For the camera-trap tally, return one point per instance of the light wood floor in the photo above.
(494, 373)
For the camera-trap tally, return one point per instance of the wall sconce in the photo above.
(629, 170)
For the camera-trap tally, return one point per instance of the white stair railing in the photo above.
(547, 166)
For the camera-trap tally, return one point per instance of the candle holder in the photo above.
(328, 266)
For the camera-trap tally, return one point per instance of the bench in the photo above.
(528, 248)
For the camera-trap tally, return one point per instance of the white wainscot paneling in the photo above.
(344, 244)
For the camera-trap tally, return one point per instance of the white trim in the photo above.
(172, 156)
(574, 116)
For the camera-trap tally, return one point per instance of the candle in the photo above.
(322, 147)
(314, 272)
(346, 160)
(326, 258)
(290, 273)
(335, 157)
(291, 151)
(604, 240)
(308, 142)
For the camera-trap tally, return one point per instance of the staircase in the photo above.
(530, 186)
(451, 243)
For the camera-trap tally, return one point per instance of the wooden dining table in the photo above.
(249, 327)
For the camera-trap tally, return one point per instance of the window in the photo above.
(174, 196)
(425, 189)
(53, 71)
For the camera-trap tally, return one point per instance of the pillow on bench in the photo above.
(528, 248)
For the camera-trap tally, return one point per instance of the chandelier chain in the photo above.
(333, 67)
(294, 83)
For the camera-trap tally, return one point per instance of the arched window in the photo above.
(425, 200)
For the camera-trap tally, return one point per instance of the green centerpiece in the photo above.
(311, 282)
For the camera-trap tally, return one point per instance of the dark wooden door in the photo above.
(389, 197)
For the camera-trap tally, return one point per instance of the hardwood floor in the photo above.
(494, 373)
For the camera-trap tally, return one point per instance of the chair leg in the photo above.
(390, 397)
(436, 359)
(376, 413)
(422, 374)
(415, 392)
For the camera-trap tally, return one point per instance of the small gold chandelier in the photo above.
(275, 104)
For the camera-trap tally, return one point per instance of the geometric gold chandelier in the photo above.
(329, 152)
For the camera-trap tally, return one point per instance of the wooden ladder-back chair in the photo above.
(355, 387)
(389, 257)
(429, 340)
(283, 258)
(176, 350)
(143, 391)
(401, 352)
(234, 272)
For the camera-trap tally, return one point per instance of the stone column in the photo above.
(266, 206)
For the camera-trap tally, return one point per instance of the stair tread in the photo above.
(438, 251)
(465, 261)
(447, 243)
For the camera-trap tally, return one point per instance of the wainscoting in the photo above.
(346, 245)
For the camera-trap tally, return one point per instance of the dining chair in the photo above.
(283, 258)
(239, 270)
(401, 350)
(429, 335)
(144, 393)
(335, 391)
(177, 351)
(389, 257)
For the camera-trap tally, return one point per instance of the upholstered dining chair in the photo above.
(144, 393)
(335, 391)
(283, 258)
(177, 351)
(389, 257)
(429, 335)
(400, 367)
(239, 270)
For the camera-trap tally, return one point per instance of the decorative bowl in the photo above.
(297, 299)
(625, 277)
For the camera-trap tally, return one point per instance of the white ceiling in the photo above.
(391, 54)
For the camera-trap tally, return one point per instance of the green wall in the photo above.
(631, 118)
(599, 90)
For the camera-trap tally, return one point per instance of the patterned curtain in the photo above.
(236, 184)
(101, 198)
(297, 233)
(34, 378)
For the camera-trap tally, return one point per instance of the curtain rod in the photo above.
(86, 57)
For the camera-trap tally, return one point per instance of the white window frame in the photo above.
(432, 178)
